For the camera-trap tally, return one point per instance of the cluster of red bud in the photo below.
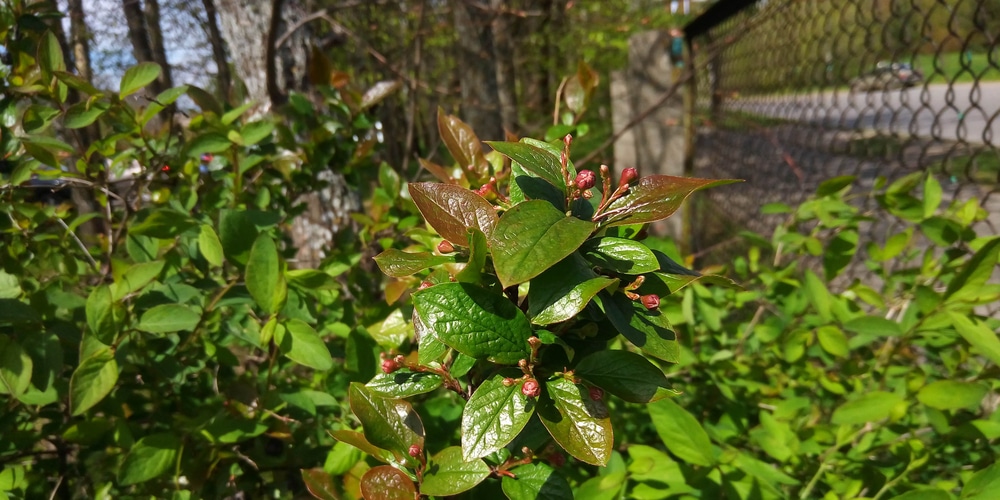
(390, 365)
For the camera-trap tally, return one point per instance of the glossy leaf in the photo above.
(92, 380)
(531, 238)
(647, 330)
(681, 433)
(15, 367)
(870, 407)
(387, 483)
(302, 344)
(429, 346)
(400, 264)
(475, 321)
(451, 210)
(625, 374)
(581, 425)
(952, 394)
(536, 481)
(149, 458)
(654, 198)
(563, 290)
(403, 383)
(388, 423)
(462, 143)
(137, 77)
(169, 318)
(620, 255)
(263, 272)
(448, 473)
(494, 415)
(536, 161)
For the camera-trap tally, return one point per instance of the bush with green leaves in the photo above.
(534, 300)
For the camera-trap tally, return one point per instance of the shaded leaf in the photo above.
(563, 290)
(952, 394)
(84, 113)
(150, 457)
(92, 380)
(977, 334)
(15, 367)
(625, 374)
(536, 481)
(620, 255)
(535, 161)
(388, 423)
(870, 407)
(403, 383)
(105, 315)
(302, 344)
(399, 264)
(320, 484)
(263, 272)
(647, 330)
(168, 318)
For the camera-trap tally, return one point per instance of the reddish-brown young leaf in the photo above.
(462, 143)
(387, 483)
(320, 484)
(451, 210)
(656, 197)
(442, 174)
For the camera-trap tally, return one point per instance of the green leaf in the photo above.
(978, 269)
(478, 250)
(977, 334)
(210, 142)
(15, 367)
(952, 394)
(494, 415)
(210, 246)
(92, 381)
(263, 272)
(137, 77)
(149, 458)
(50, 56)
(238, 230)
(403, 383)
(647, 330)
(581, 425)
(833, 341)
(536, 161)
(388, 423)
(76, 83)
(105, 315)
(531, 238)
(654, 198)
(984, 484)
(164, 224)
(357, 440)
(818, 294)
(162, 100)
(256, 131)
(607, 486)
(463, 145)
(449, 474)
(769, 476)
(399, 264)
(620, 255)
(536, 481)
(924, 494)
(303, 345)
(387, 483)
(625, 374)
(563, 290)
(136, 278)
(10, 287)
(870, 407)
(452, 209)
(84, 113)
(932, 195)
(169, 318)
(37, 118)
(429, 347)
(873, 326)
(475, 321)
(681, 433)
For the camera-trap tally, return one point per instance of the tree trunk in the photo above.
(218, 50)
(79, 39)
(505, 76)
(141, 48)
(151, 13)
(480, 106)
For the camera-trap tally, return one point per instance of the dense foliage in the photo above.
(155, 338)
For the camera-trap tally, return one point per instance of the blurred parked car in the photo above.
(888, 76)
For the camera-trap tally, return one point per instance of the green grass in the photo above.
(950, 67)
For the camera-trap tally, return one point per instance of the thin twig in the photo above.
(80, 244)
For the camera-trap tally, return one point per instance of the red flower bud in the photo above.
(389, 365)
(446, 247)
(424, 284)
(596, 393)
(531, 388)
(585, 179)
(628, 176)
(415, 450)
(651, 301)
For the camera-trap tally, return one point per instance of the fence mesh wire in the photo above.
(876, 89)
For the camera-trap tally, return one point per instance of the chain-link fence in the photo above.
(806, 91)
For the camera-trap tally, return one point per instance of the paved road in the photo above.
(966, 112)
